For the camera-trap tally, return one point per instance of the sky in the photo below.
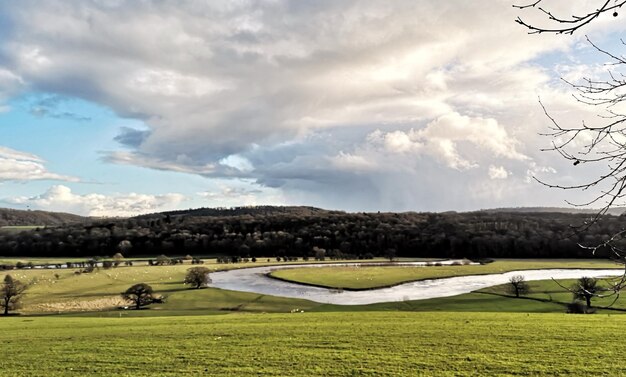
(116, 108)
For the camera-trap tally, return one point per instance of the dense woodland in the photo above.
(309, 233)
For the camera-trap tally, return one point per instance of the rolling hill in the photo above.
(14, 217)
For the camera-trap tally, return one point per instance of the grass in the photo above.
(359, 278)
(225, 333)
(315, 344)
(62, 291)
(546, 297)
(38, 261)
(18, 228)
(550, 291)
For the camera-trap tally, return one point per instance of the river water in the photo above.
(255, 280)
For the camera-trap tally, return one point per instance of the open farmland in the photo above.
(218, 332)
(62, 291)
(303, 344)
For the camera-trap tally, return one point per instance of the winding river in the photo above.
(255, 280)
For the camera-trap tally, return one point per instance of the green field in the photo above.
(216, 332)
(546, 297)
(62, 291)
(18, 228)
(53, 291)
(315, 344)
(369, 277)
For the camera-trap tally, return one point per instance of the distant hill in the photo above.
(14, 217)
(242, 211)
(612, 211)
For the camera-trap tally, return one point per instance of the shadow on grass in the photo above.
(564, 304)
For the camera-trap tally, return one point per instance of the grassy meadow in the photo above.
(315, 344)
(69, 324)
(98, 293)
(369, 277)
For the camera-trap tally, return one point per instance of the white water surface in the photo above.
(255, 280)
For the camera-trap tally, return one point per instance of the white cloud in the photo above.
(254, 78)
(290, 94)
(61, 198)
(440, 139)
(498, 172)
(23, 166)
(353, 163)
(229, 195)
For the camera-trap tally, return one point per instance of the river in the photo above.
(255, 280)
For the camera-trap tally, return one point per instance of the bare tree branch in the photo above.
(601, 145)
(567, 25)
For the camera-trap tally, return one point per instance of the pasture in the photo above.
(18, 228)
(216, 332)
(96, 293)
(361, 277)
(315, 344)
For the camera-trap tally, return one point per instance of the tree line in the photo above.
(329, 235)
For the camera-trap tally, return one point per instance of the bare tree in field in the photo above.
(11, 292)
(600, 145)
(518, 286)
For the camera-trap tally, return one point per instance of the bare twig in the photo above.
(567, 25)
(601, 145)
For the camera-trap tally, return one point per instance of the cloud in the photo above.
(253, 78)
(232, 196)
(348, 104)
(11, 84)
(243, 193)
(50, 106)
(440, 138)
(498, 172)
(131, 137)
(22, 166)
(61, 198)
(229, 192)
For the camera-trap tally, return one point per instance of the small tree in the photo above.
(162, 260)
(518, 285)
(197, 277)
(11, 294)
(586, 288)
(140, 294)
